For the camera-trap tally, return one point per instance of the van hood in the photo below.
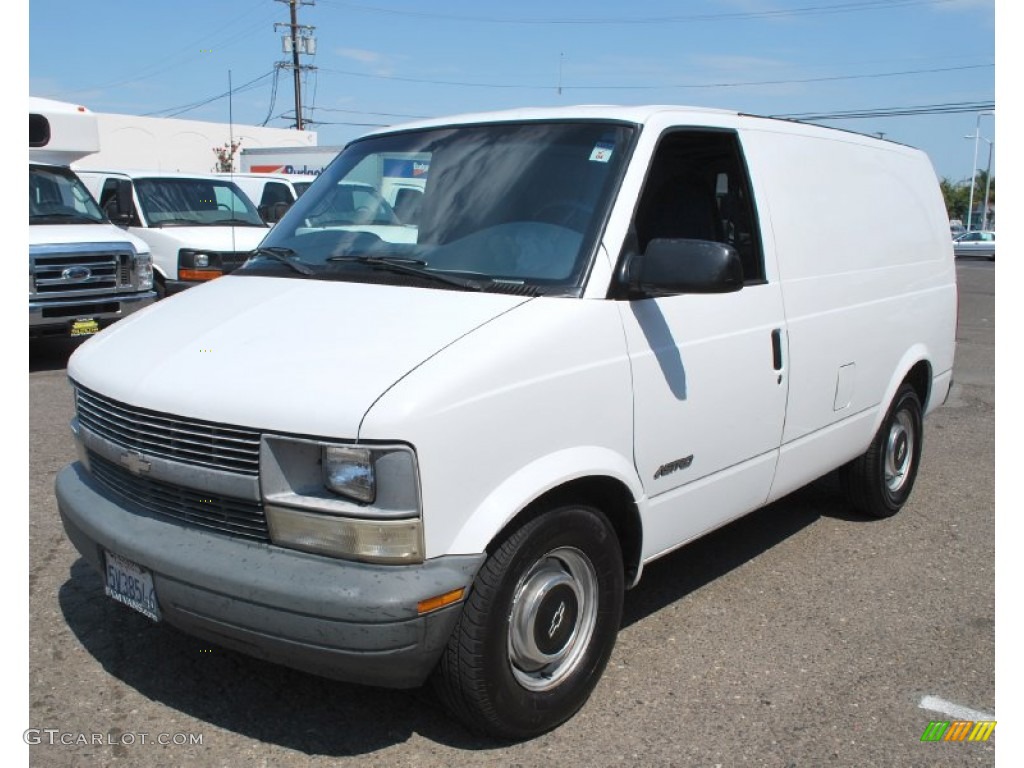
(100, 232)
(277, 354)
(224, 239)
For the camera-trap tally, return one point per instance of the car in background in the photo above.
(976, 243)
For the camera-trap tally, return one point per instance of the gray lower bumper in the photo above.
(56, 316)
(349, 621)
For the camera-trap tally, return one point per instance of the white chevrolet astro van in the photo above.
(390, 452)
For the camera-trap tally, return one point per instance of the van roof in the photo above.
(137, 174)
(640, 115)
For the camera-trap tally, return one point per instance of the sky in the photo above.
(381, 62)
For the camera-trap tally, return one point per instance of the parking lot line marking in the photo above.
(935, 704)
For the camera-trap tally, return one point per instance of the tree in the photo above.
(957, 197)
(226, 156)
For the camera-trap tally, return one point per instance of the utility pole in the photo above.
(298, 40)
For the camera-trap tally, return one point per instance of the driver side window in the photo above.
(697, 189)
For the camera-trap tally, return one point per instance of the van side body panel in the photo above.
(542, 392)
(868, 282)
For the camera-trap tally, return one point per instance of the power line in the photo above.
(736, 84)
(181, 109)
(189, 50)
(951, 108)
(948, 108)
(365, 112)
(273, 97)
(847, 7)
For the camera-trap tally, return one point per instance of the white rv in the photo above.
(442, 450)
(84, 273)
(198, 226)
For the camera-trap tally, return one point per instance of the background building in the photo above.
(168, 144)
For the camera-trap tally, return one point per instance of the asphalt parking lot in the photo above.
(801, 635)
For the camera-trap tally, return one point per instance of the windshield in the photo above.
(56, 196)
(195, 202)
(490, 207)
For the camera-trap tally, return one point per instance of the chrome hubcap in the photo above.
(899, 451)
(553, 615)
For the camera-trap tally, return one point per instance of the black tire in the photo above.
(879, 483)
(160, 286)
(565, 564)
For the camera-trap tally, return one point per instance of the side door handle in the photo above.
(777, 351)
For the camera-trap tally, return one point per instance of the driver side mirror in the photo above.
(674, 266)
(120, 207)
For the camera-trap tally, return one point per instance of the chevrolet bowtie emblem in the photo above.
(134, 463)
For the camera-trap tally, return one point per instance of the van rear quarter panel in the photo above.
(868, 281)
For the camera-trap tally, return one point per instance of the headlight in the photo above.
(349, 472)
(198, 265)
(359, 502)
(144, 271)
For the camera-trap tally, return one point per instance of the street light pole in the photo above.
(988, 183)
(974, 165)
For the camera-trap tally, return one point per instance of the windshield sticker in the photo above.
(602, 152)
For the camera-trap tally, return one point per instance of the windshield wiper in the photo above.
(65, 218)
(415, 267)
(178, 223)
(284, 255)
(246, 222)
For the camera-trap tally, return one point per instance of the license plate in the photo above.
(85, 327)
(132, 585)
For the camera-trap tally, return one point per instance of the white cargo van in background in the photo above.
(84, 273)
(272, 193)
(608, 331)
(198, 227)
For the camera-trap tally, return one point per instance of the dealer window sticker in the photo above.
(602, 152)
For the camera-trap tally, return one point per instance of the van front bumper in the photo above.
(50, 317)
(350, 621)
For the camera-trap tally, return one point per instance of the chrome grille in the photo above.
(100, 272)
(236, 517)
(161, 435)
(232, 260)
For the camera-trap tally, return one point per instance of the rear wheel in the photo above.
(538, 626)
(879, 482)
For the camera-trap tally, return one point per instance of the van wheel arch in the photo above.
(612, 497)
(879, 482)
(538, 626)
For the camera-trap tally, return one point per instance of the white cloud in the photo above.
(360, 55)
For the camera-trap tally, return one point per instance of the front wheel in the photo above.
(538, 626)
(879, 482)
